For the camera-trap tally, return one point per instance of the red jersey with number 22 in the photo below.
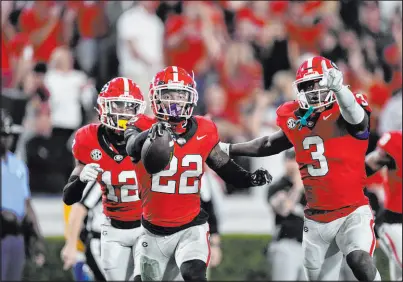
(171, 198)
(391, 143)
(119, 180)
(331, 161)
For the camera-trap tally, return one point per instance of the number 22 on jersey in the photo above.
(179, 173)
(122, 192)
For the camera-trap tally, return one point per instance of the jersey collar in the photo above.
(108, 147)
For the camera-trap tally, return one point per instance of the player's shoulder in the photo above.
(206, 126)
(286, 109)
(205, 123)
(87, 131)
(362, 99)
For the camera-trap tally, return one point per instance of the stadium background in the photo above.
(57, 55)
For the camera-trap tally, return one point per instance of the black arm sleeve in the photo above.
(134, 144)
(387, 160)
(227, 169)
(208, 206)
(369, 171)
(359, 130)
(263, 146)
(73, 191)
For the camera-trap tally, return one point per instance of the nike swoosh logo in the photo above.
(200, 137)
(326, 117)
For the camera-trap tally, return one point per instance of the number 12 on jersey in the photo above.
(125, 189)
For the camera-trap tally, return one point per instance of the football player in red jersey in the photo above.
(328, 126)
(176, 233)
(389, 223)
(100, 154)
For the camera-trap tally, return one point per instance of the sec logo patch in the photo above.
(118, 158)
(291, 123)
(96, 155)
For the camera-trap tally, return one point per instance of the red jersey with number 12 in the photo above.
(330, 159)
(119, 180)
(171, 198)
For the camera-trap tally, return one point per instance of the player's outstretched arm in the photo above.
(134, 143)
(259, 147)
(376, 160)
(350, 109)
(232, 173)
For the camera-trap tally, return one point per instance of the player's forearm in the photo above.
(227, 169)
(73, 191)
(374, 161)
(351, 111)
(134, 143)
(262, 147)
(76, 218)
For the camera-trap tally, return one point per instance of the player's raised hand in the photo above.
(90, 172)
(261, 177)
(332, 78)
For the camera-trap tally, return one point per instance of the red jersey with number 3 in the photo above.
(391, 143)
(171, 198)
(330, 159)
(119, 181)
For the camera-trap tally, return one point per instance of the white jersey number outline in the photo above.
(316, 155)
(124, 189)
(184, 188)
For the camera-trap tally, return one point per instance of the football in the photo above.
(157, 154)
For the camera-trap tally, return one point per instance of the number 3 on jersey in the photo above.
(171, 172)
(316, 155)
(125, 189)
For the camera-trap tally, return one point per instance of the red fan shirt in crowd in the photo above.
(191, 50)
(30, 23)
(90, 15)
(239, 87)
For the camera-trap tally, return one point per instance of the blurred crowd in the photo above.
(57, 55)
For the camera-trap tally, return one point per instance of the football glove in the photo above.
(90, 172)
(332, 79)
(261, 177)
(158, 128)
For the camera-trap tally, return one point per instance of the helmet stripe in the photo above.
(309, 64)
(125, 86)
(175, 73)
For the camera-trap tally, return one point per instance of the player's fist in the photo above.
(68, 256)
(261, 177)
(157, 130)
(90, 172)
(332, 79)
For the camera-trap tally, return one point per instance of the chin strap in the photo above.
(302, 121)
